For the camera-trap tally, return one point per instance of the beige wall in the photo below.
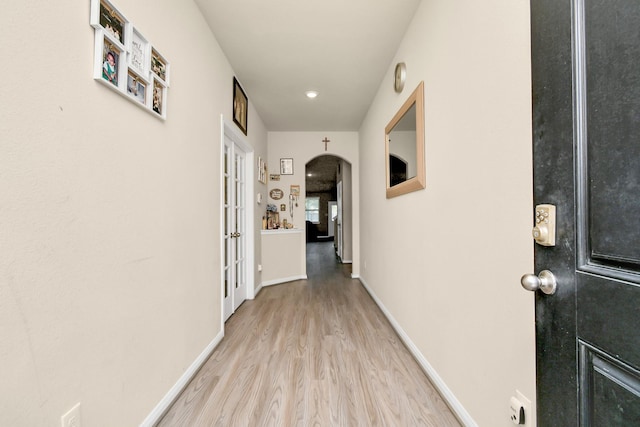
(109, 218)
(446, 261)
(304, 146)
(283, 257)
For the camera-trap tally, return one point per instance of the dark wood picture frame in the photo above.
(240, 106)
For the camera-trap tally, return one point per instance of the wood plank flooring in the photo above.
(310, 353)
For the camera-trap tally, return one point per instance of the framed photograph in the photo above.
(286, 166)
(110, 62)
(157, 102)
(240, 106)
(111, 20)
(262, 170)
(273, 220)
(159, 66)
(139, 53)
(136, 87)
(274, 177)
(295, 190)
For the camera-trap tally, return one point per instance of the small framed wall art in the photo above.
(273, 220)
(111, 60)
(137, 87)
(286, 166)
(160, 67)
(276, 194)
(108, 18)
(240, 106)
(139, 53)
(262, 170)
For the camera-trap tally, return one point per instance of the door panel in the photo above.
(556, 364)
(227, 304)
(240, 260)
(612, 124)
(609, 390)
(235, 230)
(586, 128)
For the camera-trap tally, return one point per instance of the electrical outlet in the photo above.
(528, 410)
(259, 267)
(72, 418)
(516, 411)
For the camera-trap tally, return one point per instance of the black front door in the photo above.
(586, 132)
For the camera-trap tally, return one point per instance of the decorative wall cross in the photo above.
(326, 141)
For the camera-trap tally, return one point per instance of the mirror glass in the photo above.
(402, 149)
(404, 136)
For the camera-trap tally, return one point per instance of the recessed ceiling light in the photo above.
(311, 94)
(309, 174)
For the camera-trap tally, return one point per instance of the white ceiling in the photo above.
(281, 48)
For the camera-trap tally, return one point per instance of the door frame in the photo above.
(227, 128)
(340, 230)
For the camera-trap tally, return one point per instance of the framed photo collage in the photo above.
(126, 61)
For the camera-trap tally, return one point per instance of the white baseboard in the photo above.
(459, 411)
(348, 261)
(257, 290)
(160, 409)
(355, 276)
(283, 280)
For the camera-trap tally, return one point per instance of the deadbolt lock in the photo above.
(544, 232)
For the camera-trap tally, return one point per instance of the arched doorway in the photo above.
(328, 203)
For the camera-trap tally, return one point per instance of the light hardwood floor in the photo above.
(311, 353)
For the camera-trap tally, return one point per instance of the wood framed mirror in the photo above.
(404, 146)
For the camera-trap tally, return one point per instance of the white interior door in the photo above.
(332, 209)
(235, 227)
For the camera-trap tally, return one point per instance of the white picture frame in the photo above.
(159, 98)
(137, 87)
(286, 166)
(139, 51)
(109, 60)
(123, 60)
(108, 18)
(160, 68)
(262, 170)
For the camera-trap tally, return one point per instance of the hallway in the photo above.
(315, 352)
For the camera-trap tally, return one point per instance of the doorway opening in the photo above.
(236, 225)
(328, 204)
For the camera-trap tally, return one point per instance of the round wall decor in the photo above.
(276, 194)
